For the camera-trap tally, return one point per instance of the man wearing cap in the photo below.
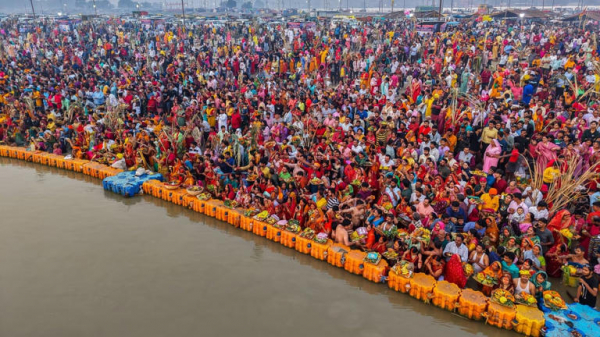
(490, 201)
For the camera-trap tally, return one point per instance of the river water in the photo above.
(78, 261)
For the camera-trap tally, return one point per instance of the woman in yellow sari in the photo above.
(494, 271)
(497, 86)
(316, 218)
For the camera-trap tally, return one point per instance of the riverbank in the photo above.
(145, 267)
(468, 303)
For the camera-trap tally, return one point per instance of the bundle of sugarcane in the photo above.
(455, 115)
(236, 148)
(476, 105)
(254, 134)
(198, 137)
(567, 186)
(72, 110)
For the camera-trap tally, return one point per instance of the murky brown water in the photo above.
(78, 261)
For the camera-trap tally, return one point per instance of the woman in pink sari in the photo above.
(492, 154)
(546, 152)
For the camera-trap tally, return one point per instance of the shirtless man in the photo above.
(342, 233)
(296, 167)
(357, 212)
(577, 259)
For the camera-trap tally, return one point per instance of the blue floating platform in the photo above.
(584, 320)
(127, 183)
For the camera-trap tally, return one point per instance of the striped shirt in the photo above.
(332, 202)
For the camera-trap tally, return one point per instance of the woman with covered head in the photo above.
(560, 223)
(492, 155)
(540, 283)
(494, 270)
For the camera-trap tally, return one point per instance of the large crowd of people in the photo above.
(436, 149)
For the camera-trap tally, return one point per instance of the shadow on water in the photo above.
(398, 300)
(42, 171)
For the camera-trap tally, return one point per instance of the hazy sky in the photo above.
(20, 6)
(12, 6)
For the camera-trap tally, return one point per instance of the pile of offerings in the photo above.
(373, 258)
(503, 297)
(321, 238)
(553, 300)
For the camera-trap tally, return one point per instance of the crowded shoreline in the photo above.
(466, 154)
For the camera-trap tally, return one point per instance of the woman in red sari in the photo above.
(413, 256)
(555, 259)
(300, 213)
(414, 90)
(442, 197)
(562, 220)
(422, 172)
(373, 176)
(454, 272)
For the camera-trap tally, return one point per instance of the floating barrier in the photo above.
(190, 201)
(421, 286)
(4, 150)
(355, 262)
(128, 184)
(319, 250)
(44, 158)
(235, 217)
(376, 272)
(500, 315)
(469, 303)
(303, 245)
(95, 170)
(445, 295)
(288, 239)
(577, 318)
(472, 304)
(336, 255)
(200, 206)
(222, 212)
(273, 233)
(398, 282)
(211, 206)
(247, 223)
(259, 228)
(528, 321)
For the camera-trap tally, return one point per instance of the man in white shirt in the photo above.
(357, 147)
(540, 211)
(465, 156)
(434, 152)
(393, 192)
(417, 196)
(424, 156)
(532, 196)
(590, 77)
(457, 247)
(386, 162)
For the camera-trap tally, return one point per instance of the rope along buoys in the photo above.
(469, 303)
